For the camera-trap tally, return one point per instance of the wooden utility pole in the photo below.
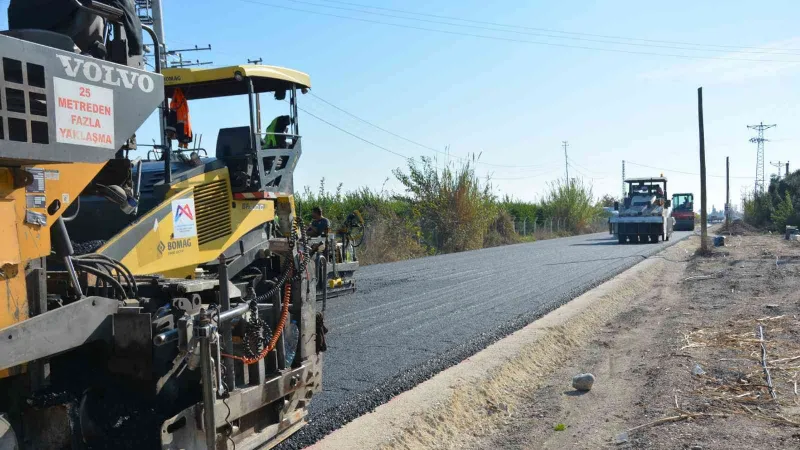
(728, 192)
(703, 213)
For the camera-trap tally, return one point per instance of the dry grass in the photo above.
(388, 239)
(736, 383)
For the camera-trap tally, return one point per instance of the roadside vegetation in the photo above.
(776, 208)
(451, 209)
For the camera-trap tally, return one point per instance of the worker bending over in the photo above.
(276, 133)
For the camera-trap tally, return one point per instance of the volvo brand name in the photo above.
(110, 75)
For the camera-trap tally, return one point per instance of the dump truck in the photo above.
(644, 215)
(194, 324)
(683, 211)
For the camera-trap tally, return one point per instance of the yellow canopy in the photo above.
(198, 83)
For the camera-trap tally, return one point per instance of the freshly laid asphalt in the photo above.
(412, 319)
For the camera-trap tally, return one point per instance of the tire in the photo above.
(621, 238)
(654, 238)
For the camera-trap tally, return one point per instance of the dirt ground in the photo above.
(703, 316)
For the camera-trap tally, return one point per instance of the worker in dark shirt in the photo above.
(319, 225)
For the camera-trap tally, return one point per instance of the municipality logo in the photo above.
(184, 211)
(183, 220)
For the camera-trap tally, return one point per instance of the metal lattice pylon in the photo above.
(759, 187)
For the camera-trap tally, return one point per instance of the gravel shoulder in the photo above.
(700, 315)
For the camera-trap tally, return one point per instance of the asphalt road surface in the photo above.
(411, 319)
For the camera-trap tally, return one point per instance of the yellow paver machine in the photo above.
(165, 304)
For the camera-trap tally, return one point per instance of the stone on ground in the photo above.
(583, 381)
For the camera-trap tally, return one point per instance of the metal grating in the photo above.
(23, 100)
(212, 206)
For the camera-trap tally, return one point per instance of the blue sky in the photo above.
(515, 101)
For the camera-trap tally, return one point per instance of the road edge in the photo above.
(467, 397)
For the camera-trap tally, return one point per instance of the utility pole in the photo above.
(179, 54)
(566, 161)
(149, 12)
(158, 28)
(779, 165)
(258, 97)
(728, 192)
(787, 168)
(703, 211)
(759, 188)
(623, 180)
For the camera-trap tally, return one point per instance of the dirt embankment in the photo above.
(682, 366)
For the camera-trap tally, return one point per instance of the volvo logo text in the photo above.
(110, 75)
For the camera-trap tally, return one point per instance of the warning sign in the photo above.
(183, 220)
(84, 114)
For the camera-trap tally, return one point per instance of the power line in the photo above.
(412, 141)
(505, 39)
(354, 135)
(537, 32)
(573, 163)
(585, 175)
(367, 141)
(549, 30)
(679, 171)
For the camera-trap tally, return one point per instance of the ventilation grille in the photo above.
(212, 203)
(23, 102)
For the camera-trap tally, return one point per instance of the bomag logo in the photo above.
(251, 207)
(179, 244)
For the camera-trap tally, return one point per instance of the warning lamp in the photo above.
(238, 76)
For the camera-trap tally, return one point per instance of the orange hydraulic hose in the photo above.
(287, 296)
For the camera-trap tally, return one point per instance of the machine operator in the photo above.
(276, 133)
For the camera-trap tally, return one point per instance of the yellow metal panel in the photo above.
(191, 75)
(154, 250)
(13, 301)
(63, 183)
(13, 298)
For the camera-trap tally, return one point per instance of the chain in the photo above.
(258, 334)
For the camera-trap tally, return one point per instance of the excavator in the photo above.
(192, 326)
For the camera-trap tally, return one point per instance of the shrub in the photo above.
(784, 213)
(573, 202)
(454, 208)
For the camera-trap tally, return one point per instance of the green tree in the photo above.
(606, 201)
(784, 213)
